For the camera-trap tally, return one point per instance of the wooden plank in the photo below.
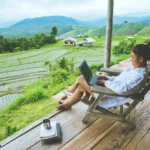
(81, 141)
(111, 71)
(112, 140)
(32, 137)
(100, 89)
(121, 134)
(144, 143)
(123, 64)
(142, 106)
(141, 139)
(70, 130)
(90, 136)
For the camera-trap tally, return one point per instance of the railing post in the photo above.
(109, 28)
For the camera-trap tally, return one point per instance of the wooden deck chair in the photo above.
(95, 111)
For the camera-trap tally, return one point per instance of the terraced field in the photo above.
(21, 68)
(5, 100)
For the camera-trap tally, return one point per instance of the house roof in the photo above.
(89, 39)
(129, 37)
(70, 39)
(79, 35)
(80, 42)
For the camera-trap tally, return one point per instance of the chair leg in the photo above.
(121, 109)
(128, 123)
(88, 118)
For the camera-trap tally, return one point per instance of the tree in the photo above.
(1, 49)
(43, 39)
(2, 43)
(53, 32)
(124, 47)
(23, 43)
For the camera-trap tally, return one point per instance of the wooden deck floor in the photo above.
(100, 135)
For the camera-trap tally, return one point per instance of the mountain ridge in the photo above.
(30, 26)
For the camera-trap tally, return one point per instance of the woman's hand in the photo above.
(101, 82)
(102, 78)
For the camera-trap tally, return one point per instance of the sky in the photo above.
(12, 11)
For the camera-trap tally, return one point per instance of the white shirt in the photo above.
(130, 81)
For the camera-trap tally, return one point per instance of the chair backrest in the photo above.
(145, 90)
(148, 69)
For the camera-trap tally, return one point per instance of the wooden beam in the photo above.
(108, 33)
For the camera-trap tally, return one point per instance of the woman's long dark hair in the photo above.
(142, 50)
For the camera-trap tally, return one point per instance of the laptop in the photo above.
(87, 73)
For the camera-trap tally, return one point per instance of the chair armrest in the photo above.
(111, 71)
(100, 89)
(104, 90)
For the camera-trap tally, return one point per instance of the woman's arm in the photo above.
(123, 86)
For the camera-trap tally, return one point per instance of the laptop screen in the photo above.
(85, 70)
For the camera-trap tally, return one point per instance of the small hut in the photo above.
(79, 36)
(88, 41)
(69, 41)
(129, 38)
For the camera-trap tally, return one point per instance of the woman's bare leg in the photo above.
(82, 82)
(75, 98)
(83, 85)
(79, 82)
(74, 86)
(71, 88)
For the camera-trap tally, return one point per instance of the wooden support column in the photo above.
(109, 28)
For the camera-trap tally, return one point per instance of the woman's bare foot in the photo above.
(64, 105)
(63, 101)
(64, 97)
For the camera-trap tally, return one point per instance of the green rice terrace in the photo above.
(26, 87)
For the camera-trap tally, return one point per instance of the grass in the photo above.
(24, 115)
(34, 104)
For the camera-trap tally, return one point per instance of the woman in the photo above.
(129, 81)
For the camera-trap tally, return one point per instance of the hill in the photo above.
(76, 31)
(119, 29)
(144, 31)
(97, 32)
(30, 31)
(29, 27)
(127, 28)
(57, 20)
(67, 25)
